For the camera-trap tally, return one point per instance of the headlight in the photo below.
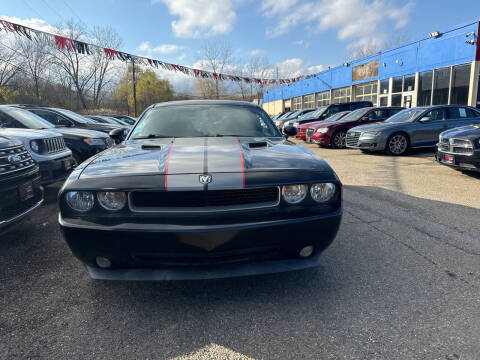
(81, 201)
(322, 130)
(35, 146)
(293, 194)
(277, 123)
(94, 141)
(112, 200)
(322, 192)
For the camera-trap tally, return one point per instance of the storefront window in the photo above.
(397, 84)
(323, 98)
(441, 84)
(383, 100)
(396, 99)
(297, 103)
(367, 92)
(341, 95)
(384, 86)
(409, 82)
(309, 101)
(460, 84)
(425, 88)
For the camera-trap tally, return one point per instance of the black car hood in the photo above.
(227, 159)
(471, 132)
(71, 132)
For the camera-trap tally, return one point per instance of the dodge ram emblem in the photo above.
(205, 179)
(14, 159)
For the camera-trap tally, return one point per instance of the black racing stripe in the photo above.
(205, 161)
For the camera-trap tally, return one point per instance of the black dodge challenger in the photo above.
(200, 189)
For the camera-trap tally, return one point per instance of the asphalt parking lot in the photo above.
(401, 281)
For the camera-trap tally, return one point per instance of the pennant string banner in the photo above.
(67, 44)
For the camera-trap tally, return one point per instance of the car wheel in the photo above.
(338, 140)
(397, 144)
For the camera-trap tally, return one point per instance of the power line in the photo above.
(55, 11)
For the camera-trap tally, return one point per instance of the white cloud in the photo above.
(201, 18)
(33, 23)
(256, 52)
(294, 67)
(359, 20)
(146, 47)
(303, 43)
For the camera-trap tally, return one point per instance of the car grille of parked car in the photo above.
(352, 138)
(191, 200)
(54, 145)
(310, 132)
(15, 159)
(456, 146)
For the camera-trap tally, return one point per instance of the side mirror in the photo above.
(117, 135)
(425, 119)
(290, 131)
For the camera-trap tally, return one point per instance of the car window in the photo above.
(457, 113)
(26, 119)
(472, 113)
(7, 122)
(436, 114)
(378, 114)
(393, 112)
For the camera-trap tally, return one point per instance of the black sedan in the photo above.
(460, 148)
(201, 189)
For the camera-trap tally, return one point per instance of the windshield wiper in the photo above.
(152, 136)
(231, 135)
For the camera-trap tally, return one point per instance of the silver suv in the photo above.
(47, 149)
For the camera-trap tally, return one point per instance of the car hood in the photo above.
(8, 142)
(471, 132)
(311, 124)
(184, 159)
(29, 133)
(81, 133)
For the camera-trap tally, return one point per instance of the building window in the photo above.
(396, 99)
(441, 84)
(367, 92)
(397, 84)
(409, 82)
(323, 98)
(341, 95)
(460, 84)
(309, 101)
(383, 100)
(424, 88)
(384, 86)
(297, 103)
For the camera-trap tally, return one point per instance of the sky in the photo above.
(296, 36)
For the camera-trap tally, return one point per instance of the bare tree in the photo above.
(257, 67)
(217, 56)
(9, 65)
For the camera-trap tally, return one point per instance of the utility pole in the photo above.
(134, 90)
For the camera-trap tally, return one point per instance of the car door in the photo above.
(426, 133)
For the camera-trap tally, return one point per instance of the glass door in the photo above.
(407, 99)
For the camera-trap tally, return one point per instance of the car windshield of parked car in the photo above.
(314, 114)
(284, 116)
(354, 115)
(407, 115)
(24, 118)
(205, 120)
(334, 117)
(75, 116)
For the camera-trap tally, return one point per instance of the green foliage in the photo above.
(150, 89)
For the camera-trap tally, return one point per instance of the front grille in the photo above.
(310, 132)
(12, 205)
(352, 138)
(222, 199)
(15, 160)
(456, 146)
(54, 145)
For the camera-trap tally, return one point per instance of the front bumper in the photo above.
(301, 135)
(461, 162)
(320, 138)
(147, 251)
(370, 144)
(55, 170)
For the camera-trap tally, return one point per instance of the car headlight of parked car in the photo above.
(370, 134)
(81, 201)
(112, 200)
(322, 130)
(35, 146)
(293, 194)
(319, 192)
(322, 192)
(94, 141)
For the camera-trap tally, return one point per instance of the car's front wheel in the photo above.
(397, 144)
(338, 140)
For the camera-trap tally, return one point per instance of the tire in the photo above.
(338, 140)
(397, 144)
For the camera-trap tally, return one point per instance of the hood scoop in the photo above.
(258, 144)
(151, 147)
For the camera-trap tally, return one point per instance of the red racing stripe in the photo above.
(166, 166)
(241, 158)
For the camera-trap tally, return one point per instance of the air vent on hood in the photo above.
(258, 144)
(151, 147)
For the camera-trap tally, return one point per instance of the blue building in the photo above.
(440, 69)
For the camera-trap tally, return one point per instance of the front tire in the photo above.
(338, 140)
(397, 144)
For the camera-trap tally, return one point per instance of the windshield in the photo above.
(335, 117)
(407, 115)
(314, 114)
(354, 115)
(106, 119)
(27, 119)
(205, 120)
(76, 117)
(287, 114)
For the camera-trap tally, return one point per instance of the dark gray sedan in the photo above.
(411, 128)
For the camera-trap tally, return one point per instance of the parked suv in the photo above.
(334, 132)
(46, 147)
(412, 128)
(20, 188)
(82, 142)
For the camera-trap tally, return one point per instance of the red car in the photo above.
(334, 132)
(302, 129)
